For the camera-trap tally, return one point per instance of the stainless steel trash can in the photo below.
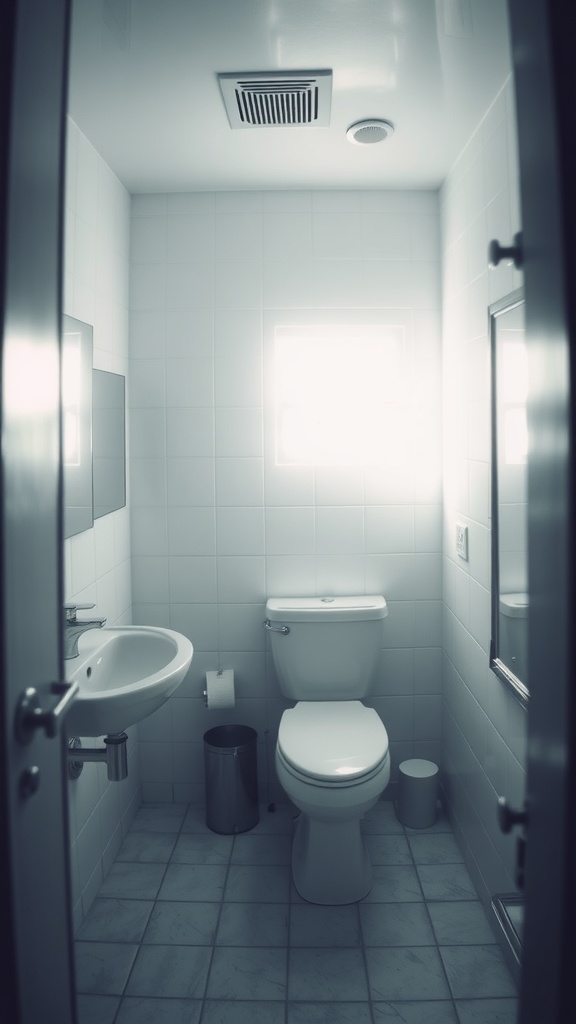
(231, 778)
(417, 793)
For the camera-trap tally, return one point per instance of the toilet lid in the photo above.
(332, 740)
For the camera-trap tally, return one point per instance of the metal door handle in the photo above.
(508, 817)
(31, 716)
(512, 253)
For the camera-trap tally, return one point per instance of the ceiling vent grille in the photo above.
(277, 99)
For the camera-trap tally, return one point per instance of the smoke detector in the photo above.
(279, 99)
(365, 133)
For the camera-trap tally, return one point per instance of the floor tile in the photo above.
(487, 1011)
(182, 924)
(438, 1012)
(381, 819)
(394, 884)
(247, 973)
(417, 971)
(326, 974)
(114, 920)
(133, 881)
(221, 1011)
(463, 923)
(324, 926)
(277, 822)
(476, 972)
(139, 1010)
(252, 884)
(390, 849)
(446, 882)
(253, 924)
(147, 847)
(202, 849)
(329, 1013)
(203, 882)
(396, 924)
(195, 819)
(262, 849)
(166, 971)
(440, 825)
(159, 818)
(192, 927)
(438, 848)
(96, 1009)
(103, 967)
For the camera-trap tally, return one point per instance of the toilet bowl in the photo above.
(333, 762)
(332, 756)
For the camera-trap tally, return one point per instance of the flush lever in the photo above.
(284, 630)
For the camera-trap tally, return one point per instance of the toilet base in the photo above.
(330, 864)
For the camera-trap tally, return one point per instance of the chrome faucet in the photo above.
(73, 628)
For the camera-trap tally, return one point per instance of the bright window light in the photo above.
(513, 385)
(71, 398)
(339, 394)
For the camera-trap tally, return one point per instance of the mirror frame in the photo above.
(501, 669)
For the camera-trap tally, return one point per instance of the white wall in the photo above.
(97, 562)
(216, 525)
(484, 727)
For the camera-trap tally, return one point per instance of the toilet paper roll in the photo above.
(220, 689)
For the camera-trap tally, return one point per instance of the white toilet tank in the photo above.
(332, 646)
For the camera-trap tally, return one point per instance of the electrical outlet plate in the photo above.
(462, 541)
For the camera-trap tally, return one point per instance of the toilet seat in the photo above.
(332, 743)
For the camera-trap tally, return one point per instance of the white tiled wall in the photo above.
(484, 728)
(97, 562)
(216, 524)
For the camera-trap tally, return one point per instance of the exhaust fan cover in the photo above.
(278, 99)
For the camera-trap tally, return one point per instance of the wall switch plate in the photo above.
(462, 541)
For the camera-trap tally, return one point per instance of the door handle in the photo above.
(511, 253)
(509, 817)
(31, 716)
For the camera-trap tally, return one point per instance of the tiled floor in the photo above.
(191, 927)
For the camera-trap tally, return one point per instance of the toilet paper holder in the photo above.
(218, 674)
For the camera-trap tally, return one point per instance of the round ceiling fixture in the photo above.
(364, 133)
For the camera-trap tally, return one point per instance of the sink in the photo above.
(124, 675)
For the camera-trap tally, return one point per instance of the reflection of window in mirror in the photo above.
(76, 403)
(513, 390)
(71, 398)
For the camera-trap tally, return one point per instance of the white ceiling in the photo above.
(143, 88)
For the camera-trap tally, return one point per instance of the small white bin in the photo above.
(417, 793)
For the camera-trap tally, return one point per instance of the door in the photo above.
(36, 973)
(546, 89)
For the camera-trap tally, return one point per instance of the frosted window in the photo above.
(339, 394)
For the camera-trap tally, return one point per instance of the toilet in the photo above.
(332, 756)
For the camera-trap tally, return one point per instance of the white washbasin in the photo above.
(124, 675)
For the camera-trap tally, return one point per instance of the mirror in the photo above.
(77, 425)
(510, 599)
(108, 442)
(94, 433)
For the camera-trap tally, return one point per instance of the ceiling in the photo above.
(144, 88)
